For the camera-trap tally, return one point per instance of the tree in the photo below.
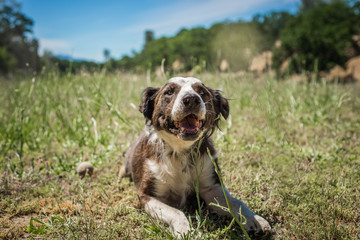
(15, 39)
(318, 38)
(106, 54)
(149, 36)
(7, 60)
(153, 53)
(189, 46)
(237, 43)
(270, 26)
(307, 5)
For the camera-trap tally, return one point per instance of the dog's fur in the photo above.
(175, 150)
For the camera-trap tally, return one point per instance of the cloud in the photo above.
(165, 20)
(190, 13)
(54, 45)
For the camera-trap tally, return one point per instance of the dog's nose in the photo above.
(191, 100)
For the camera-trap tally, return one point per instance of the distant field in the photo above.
(290, 150)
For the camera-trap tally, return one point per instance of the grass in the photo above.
(290, 150)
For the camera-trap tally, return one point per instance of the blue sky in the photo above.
(83, 28)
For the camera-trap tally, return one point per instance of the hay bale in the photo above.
(278, 43)
(261, 63)
(356, 39)
(177, 65)
(285, 65)
(339, 74)
(353, 68)
(299, 78)
(224, 65)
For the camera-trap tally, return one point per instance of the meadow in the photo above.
(290, 150)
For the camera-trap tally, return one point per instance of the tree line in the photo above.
(317, 37)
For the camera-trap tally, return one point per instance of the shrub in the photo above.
(318, 38)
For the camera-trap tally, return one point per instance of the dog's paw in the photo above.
(181, 227)
(257, 226)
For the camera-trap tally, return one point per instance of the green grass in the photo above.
(290, 150)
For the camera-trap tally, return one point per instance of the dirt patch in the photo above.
(14, 227)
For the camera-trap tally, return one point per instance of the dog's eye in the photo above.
(169, 92)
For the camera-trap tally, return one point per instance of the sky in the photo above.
(82, 29)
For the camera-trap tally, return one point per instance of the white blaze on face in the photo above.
(186, 88)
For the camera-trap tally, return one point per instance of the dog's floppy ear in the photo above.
(147, 103)
(221, 104)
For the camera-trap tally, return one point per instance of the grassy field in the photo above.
(290, 150)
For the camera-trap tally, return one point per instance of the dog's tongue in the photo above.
(190, 122)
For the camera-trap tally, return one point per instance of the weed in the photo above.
(290, 150)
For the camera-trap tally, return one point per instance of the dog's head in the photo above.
(184, 108)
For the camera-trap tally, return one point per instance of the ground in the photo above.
(290, 150)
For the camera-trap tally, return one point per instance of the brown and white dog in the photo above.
(173, 152)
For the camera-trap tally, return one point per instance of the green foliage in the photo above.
(106, 54)
(7, 60)
(314, 39)
(51, 64)
(199, 47)
(126, 63)
(289, 150)
(15, 29)
(33, 229)
(318, 38)
(237, 43)
(153, 53)
(270, 26)
(149, 36)
(191, 47)
(307, 5)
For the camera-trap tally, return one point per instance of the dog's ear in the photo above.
(221, 104)
(147, 103)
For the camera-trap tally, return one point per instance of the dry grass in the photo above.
(290, 150)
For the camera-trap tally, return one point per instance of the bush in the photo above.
(7, 61)
(318, 38)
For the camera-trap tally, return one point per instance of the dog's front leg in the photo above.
(160, 211)
(254, 223)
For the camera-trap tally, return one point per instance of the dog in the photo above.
(175, 150)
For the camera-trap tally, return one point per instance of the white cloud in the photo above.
(190, 13)
(166, 20)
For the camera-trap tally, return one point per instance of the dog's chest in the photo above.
(174, 178)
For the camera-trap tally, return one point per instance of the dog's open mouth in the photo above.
(187, 128)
